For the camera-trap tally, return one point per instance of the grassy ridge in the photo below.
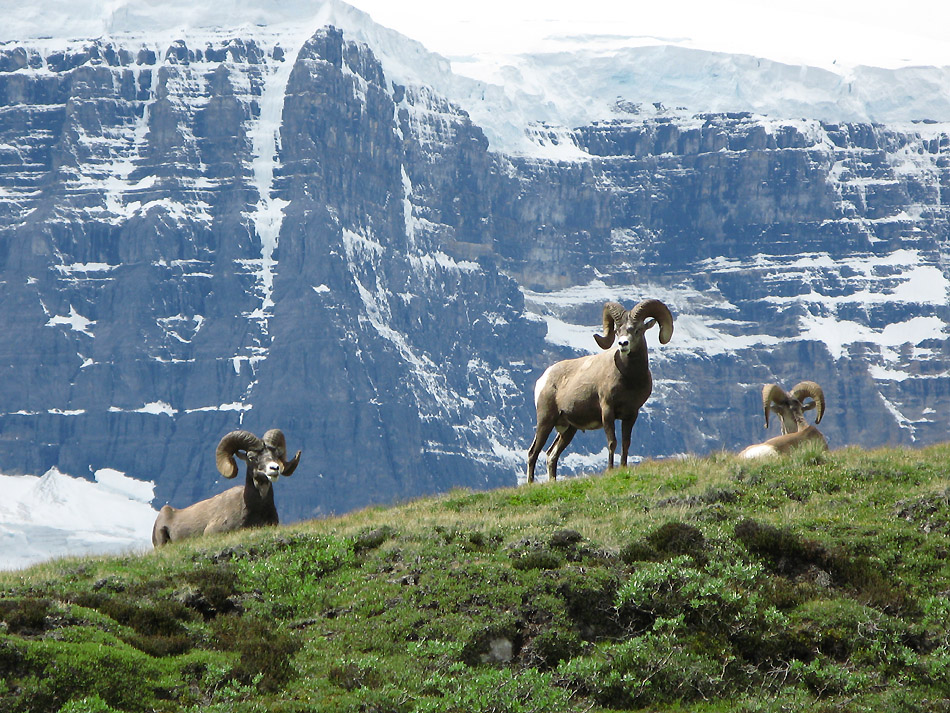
(816, 583)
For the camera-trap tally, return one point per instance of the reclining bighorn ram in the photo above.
(791, 409)
(250, 505)
(592, 391)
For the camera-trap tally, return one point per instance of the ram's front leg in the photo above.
(611, 432)
(626, 428)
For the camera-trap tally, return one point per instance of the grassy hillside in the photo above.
(818, 583)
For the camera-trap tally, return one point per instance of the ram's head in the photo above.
(629, 326)
(265, 457)
(791, 406)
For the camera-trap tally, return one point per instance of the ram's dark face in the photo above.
(265, 457)
(265, 466)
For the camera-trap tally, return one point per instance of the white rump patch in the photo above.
(542, 382)
(759, 451)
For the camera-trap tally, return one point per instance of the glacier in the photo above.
(56, 515)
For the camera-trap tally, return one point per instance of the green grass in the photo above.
(816, 583)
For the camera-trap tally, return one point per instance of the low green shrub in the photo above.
(372, 539)
(536, 559)
(589, 595)
(483, 690)
(662, 666)
(265, 650)
(25, 615)
(781, 550)
(549, 647)
(826, 678)
(291, 574)
(722, 598)
(212, 589)
(678, 538)
(638, 551)
(354, 673)
(786, 553)
(53, 673)
(158, 627)
(89, 704)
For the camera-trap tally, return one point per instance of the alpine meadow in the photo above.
(813, 583)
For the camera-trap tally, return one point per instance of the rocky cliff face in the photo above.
(221, 231)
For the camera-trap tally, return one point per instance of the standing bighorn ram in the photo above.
(250, 505)
(592, 391)
(790, 408)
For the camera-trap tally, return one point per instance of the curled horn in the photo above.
(772, 393)
(275, 439)
(805, 389)
(658, 311)
(231, 444)
(614, 313)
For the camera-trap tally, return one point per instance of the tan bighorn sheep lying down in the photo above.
(791, 409)
(593, 391)
(250, 505)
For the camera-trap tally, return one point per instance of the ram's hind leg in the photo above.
(161, 535)
(562, 441)
(534, 450)
(611, 432)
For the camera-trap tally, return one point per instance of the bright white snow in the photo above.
(527, 72)
(830, 35)
(74, 321)
(837, 334)
(56, 515)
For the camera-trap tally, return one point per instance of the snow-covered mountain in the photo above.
(260, 214)
(57, 515)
